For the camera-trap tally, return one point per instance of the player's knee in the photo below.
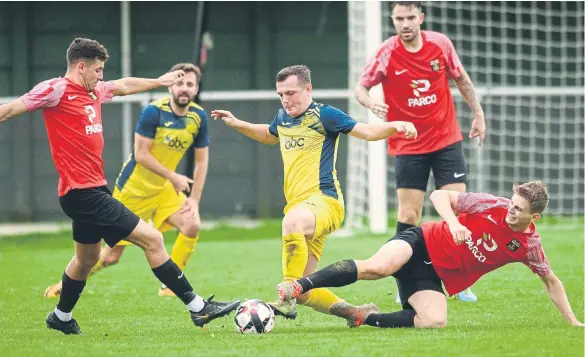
(87, 263)
(375, 269)
(435, 321)
(191, 229)
(154, 242)
(110, 260)
(409, 216)
(297, 222)
(291, 225)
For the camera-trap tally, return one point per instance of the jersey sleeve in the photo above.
(105, 91)
(46, 94)
(376, 69)
(454, 65)
(452, 61)
(148, 121)
(536, 259)
(202, 138)
(469, 202)
(336, 121)
(273, 128)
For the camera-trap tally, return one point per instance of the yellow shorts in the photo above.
(157, 208)
(329, 214)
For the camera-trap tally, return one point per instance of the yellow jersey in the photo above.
(308, 145)
(172, 136)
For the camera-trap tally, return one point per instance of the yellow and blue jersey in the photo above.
(172, 136)
(308, 144)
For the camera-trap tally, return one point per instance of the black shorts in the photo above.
(418, 273)
(448, 165)
(96, 215)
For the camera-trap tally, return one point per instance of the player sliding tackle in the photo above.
(308, 133)
(414, 68)
(489, 232)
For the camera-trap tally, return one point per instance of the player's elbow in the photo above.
(364, 132)
(140, 156)
(437, 195)
(358, 91)
(375, 136)
(121, 88)
(361, 93)
(270, 139)
(550, 280)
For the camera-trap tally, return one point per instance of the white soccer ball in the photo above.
(254, 316)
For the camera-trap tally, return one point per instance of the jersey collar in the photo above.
(424, 41)
(311, 106)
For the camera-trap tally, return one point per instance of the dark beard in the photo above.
(179, 104)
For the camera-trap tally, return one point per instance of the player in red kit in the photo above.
(488, 233)
(414, 68)
(71, 107)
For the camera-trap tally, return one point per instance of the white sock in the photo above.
(63, 316)
(196, 304)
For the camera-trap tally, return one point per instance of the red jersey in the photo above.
(416, 89)
(73, 118)
(492, 244)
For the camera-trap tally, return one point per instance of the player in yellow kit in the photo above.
(308, 133)
(148, 184)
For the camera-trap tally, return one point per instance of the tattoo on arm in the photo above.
(467, 90)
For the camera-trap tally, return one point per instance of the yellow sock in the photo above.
(295, 254)
(321, 300)
(99, 266)
(183, 250)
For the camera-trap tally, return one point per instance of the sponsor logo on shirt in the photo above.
(293, 143)
(175, 143)
(91, 115)
(93, 129)
(421, 86)
(486, 242)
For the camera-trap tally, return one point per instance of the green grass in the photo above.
(122, 315)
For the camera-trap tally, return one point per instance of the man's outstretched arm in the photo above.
(14, 108)
(258, 132)
(380, 131)
(132, 85)
(558, 296)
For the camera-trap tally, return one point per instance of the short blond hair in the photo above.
(534, 192)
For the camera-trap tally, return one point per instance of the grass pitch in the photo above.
(122, 315)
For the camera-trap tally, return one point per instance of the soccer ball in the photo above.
(254, 316)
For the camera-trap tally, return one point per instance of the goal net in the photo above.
(526, 61)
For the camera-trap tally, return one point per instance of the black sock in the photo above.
(174, 279)
(402, 318)
(70, 293)
(402, 227)
(337, 274)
